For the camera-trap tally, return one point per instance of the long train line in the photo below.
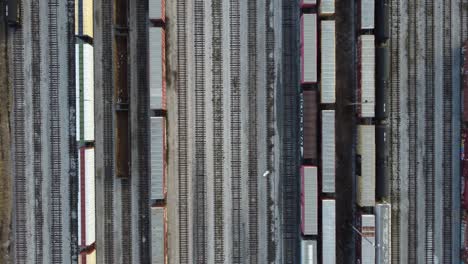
(412, 131)
(394, 125)
(218, 159)
(447, 136)
(21, 241)
(199, 206)
(108, 148)
(182, 138)
(289, 171)
(143, 132)
(252, 130)
(234, 18)
(429, 133)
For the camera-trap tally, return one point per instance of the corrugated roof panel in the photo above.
(309, 252)
(310, 196)
(328, 231)
(367, 14)
(157, 235)
(155, 67)
(367, 239)
(327, 7)
(366, 180)
(157, 162)
(367, 76)
(155, 9)
(90, 197)
(328, 151)
(327, 55)
(383, 222)
(309, 48)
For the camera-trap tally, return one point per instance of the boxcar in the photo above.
(327, 7)
(85, 84)
(367, 76)
(158, 235)
(328, 231)
(382, 32)
(381, 76)
(156, 68)
(309, 48)
(366, 165)
(309, 196)
(327, 62)
(328, 151)
(465, 81)
(383, 224)
(310, 125)
(309, 252)
(367, 8)
(156, 10)
(308, 3)
(381, 174)
(366, 240)
(157, 157)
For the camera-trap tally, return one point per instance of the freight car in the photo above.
(328, 231)
(367, 11)
(121, 91)
(156, 81)
(86, 194)
(465, 81)
(158, 235)
(328, 151)
(157, 151)
(366, 92)
(381, 76)
(366, 165)
(381, 174)
(327, 62)
(309, 252)
(85, 92)
(327, 7)
(383, 224)
(310, 126)
(156, 11)
(382, 32)
(309, 202)
(13, 12)
(309, 48)
(308, 3)
(365, 246)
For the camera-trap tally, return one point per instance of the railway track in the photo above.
(217, 16)
(107, 132)
(199, 206)
(412, 131)
(269, 109)
(429, 133)
(182, 139)
(234, 18)
(394, 125)
(289, 171)
(19, 156)
(55, 138)
(252, 130)
(37, 145)
(447, 136)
